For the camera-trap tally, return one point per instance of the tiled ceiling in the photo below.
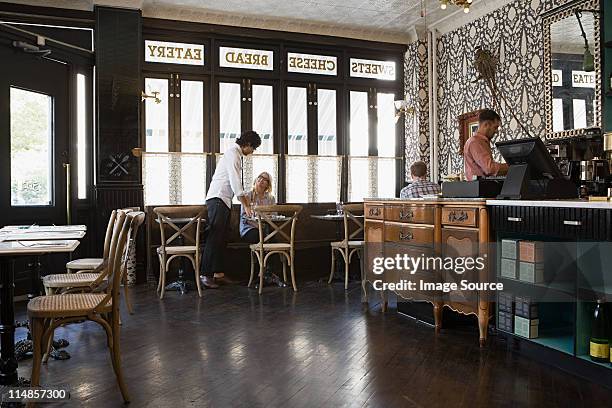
(383, 20)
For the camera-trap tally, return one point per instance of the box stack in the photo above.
(526, 320)
(509, 252)
(531, 261)
(505, 306)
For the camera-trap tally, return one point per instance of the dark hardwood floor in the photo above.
(316, 348)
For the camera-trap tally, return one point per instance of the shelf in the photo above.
(554, 292)
(563, 343)
(587, 358)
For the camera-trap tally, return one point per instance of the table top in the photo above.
(42, 228)
(181, 220)
(332, 217)
(20, 235)
(272, 217)
(37, 247)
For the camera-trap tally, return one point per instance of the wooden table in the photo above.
(40, 235)
(42, 228)
(9, 251)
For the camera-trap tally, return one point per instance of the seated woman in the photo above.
(260, 195)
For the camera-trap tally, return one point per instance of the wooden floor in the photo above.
(316, 348)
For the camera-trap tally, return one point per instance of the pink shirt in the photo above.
(478, 159)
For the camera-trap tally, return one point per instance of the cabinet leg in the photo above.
(437, 311)
(483, 322)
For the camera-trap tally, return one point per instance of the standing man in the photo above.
(420, 185)
(226, 182)
(478, 159)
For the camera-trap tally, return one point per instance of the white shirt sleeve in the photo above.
(234, 170)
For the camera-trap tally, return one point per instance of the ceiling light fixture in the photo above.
(460, 3)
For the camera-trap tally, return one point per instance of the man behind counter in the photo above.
(477, 156)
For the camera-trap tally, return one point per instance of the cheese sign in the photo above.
(312, 64)
(362, 68)
(246, 58)
(557, 77)
(582, 79)
(174, 53)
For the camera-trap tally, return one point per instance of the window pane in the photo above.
(81, 138)
(328, 180)
(255, 164)
(359, 178)
(156, 115)
(229, 114)
(558, 115)
(31, 118)
(297, 179)
(386, 124)
(297, 125)
(359, 124)
(326, 119)
(193, 179)
(580, 116)
(313, 179)
(192, 116)
(386, 177)
(263, 117)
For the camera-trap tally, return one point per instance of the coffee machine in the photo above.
(585, 161)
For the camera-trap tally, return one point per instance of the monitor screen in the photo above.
(530, 151)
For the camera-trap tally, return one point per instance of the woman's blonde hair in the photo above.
(268, 177)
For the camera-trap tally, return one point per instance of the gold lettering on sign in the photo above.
(175, 52)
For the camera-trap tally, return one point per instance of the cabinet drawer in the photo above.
(409, 234)
(416, 214)
(465, 217)
(375, 211)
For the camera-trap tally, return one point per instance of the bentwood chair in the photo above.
(95, 264)
(352, 243)
(48, 312)
(191, 218)
(87, 281)
(279, 219)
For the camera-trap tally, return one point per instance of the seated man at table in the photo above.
(420, 185)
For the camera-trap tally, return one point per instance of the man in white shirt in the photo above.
(226, 182)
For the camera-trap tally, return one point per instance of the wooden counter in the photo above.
(430, 227)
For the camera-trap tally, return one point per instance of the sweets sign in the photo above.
(246, 58)
(174, 53)
(362, 68)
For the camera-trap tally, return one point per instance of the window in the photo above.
(156, 114)
(81, 138)
(31, 121)
(229, 114)
(297, 121)
(326, 121)
(263, 117)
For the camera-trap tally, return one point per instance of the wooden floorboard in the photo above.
(316, 348)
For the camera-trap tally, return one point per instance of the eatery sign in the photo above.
(174, 53)
(312, 64)
(583, 79)
(362, 68)
(246, 58)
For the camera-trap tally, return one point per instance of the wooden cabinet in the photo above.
(431, 228)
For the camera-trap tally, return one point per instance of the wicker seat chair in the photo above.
(191, 216)
(351, 244)
(94, 281)
(266, 216)
(95, 264)
(48, 312)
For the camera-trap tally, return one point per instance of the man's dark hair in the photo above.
(418, 169)
(249, 138)
(488, 114)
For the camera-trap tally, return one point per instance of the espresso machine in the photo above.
(585, 161)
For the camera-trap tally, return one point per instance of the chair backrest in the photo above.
(109, 234)
(189, 217)
(121, 231)
(353, 226)
(279, 217)
(138, 220)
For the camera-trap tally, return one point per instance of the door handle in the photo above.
(68, 193)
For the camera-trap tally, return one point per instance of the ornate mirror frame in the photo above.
(553, 16)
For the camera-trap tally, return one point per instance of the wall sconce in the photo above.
(155, 96)
(403, 107)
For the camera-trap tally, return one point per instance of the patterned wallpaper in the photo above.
(514, 34)
(416, 87)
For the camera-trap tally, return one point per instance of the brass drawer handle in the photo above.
(572, 222)
(405, 237)
(374, 211)
(515, 219)
(457, 216)
(408, 215)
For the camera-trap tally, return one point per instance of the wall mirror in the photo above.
(572, 69)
